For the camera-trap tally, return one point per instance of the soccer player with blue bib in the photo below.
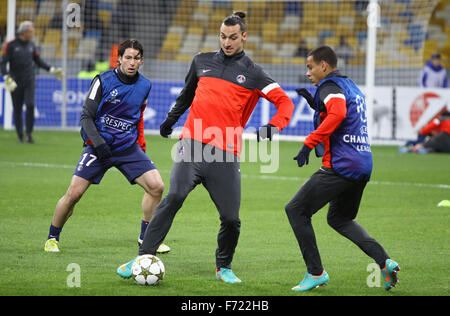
(345, 171)
(112, 128)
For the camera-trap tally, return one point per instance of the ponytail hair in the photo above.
(236, 18)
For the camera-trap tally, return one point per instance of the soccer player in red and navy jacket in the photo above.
(222, 89)
(346, 168)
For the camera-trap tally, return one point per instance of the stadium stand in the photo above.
(185, 27)
(173, 31)
(276, 27)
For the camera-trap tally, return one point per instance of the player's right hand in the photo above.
(266, 131)
(57, 72)
(103, 151)
(165, 129)
(10, 84)
(303, 156)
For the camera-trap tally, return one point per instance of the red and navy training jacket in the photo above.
(222, 92)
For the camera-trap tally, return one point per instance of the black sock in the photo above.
(54, 232)
(144, 225)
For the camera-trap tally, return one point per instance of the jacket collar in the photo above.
(335, 73)
(430, 64)
(224, 57)
(124, 78)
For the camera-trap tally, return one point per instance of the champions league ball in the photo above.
(148, 270)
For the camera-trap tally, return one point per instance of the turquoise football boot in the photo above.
(389, 273)
(227, 276)
(125, 269)
(312, 281)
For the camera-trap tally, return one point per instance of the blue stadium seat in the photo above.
(93, 33)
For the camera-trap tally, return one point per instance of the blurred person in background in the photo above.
(21, 54)
(433, 74)
(302, 49)
(344, 51)
(433, 137)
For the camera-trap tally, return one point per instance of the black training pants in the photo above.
(344, 197)
(439, 143)
(219, 172)
(24, 93)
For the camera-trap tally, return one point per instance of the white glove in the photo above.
(57, 72)
(10, 84)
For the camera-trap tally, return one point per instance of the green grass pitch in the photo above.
(399, 209)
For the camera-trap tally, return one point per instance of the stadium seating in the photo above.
(275, 29)
(438, 36)
(276, 37)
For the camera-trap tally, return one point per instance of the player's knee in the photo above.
(230, 221)
(290, 209)
(175, 198)
(298, 216)
(334, 222)
(74, 194)
(159, 188)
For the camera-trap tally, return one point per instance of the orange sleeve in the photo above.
(141, 138)
(336, 112)
(284, 105)
(432, 126)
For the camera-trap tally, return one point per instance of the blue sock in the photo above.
(144, 225)
(54, 232)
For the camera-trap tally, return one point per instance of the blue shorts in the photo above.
(132, 162)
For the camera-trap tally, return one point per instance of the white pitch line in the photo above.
(36, 164)
(283, 178)
(245, 176)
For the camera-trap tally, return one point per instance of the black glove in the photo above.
(307, 96)
(303, 156)
(266, 131)
(165, 129)
(103, 151)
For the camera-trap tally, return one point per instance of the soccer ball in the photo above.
(148, 270)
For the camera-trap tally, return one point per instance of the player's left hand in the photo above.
(143, 146)
(57, 72)
(266, 131)
(165, 129)
(303, 156)
(103, 151)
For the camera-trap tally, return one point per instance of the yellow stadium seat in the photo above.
(105, 17)
(42, 22)
(183, 57)
(298, 61)
(270, 31)
(171, 44)
(53, 36)
(240, 6)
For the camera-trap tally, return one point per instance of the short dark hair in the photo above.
(130, 43)
(436, 55)
(324, 53)
(236, 18)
